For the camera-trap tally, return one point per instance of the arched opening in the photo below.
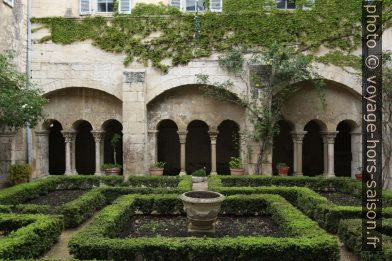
(313, 150)
(56, 149)
(343, 155)
(283, 147)
(84, 148)
(169, 147)
(112, 150)
(227, 145)
(198, 147)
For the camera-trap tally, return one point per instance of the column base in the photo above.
(98, 174)
(182, 173)
(214, 174)
(298, 174)
(329, 176)
(69, 174)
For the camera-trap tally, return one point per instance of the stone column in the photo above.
(42, 153)
(325, 150)
(356, 151)
(67, 139)
(7, 152)
(298, 138)
(213, 137)
(73, 153)
(182, 136)
(102, 160)
(329, 137)
(98, 139)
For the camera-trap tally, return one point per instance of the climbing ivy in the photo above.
(252, 24)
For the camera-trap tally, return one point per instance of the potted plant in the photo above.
(109, 168)
(358, 176)
(236, 168)
(199, 175)
(156, 169)
(283, 169)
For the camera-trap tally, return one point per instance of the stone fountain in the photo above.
(202, 208)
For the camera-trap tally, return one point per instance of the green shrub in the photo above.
(19, 173)
(158, 165)
(31, 235)
(199, 173)
(304, 239)
(235, 163)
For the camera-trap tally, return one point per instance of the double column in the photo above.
(182, 136)
(298, 139)
(99, 137)
(69, 139)
(329, 153)
(213, 138)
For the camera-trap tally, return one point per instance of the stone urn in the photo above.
(202, 208)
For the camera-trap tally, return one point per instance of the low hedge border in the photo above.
(317, 207)
(82, 208)
(305, 239)
(31, 235)
(318, 184)
(350, 232)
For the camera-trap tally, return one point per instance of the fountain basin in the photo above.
(202, 208)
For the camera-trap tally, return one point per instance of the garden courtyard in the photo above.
(143, 218)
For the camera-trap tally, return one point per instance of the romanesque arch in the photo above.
(109, 152)
(227, 145)
(84, 148)
(56, 148)
(169, 147)
(283, 147)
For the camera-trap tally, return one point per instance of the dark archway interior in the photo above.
(85, 149)
(227, 145)
(343, 154)
(283, 148)
(112, 127)
(313, 151)
(198, 147)
(56, 149)
(169, 147)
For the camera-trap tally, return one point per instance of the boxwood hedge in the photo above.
(29, 235)
(304, 239)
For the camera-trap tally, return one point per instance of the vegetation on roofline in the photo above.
(253, 24)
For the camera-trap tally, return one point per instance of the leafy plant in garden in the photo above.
(159, 165)
(235, 163)
(20, 102)
(287, 69)
(114, 143)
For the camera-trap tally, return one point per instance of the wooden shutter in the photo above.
(216, 5)
(85, 7)
(124, 6)
(176, 3)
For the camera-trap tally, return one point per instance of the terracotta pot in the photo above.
(113, 171)
(202, 208)
(237, 172)
(283, 171)
(156, 171)
(358, 176)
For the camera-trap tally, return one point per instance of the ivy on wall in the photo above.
(251, 24)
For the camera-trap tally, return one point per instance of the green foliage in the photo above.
(281, 165)
(304, 239)
(159, 165)
(31, 235)
(254, 24)
(235, 163)
(19, 173)
(110, 166)
(199, 173)
(20, 102)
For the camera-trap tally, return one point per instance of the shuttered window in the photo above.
(216, 5)
(85, 7)
(125, 6)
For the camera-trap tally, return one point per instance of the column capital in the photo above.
(329, 136)
(298, 136)
(182, 136)
(68, 135)
(98, 135)
(213, 136)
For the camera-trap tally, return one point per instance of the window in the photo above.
(194, 5)
(285, 4)
(105, 6)
(9, 2)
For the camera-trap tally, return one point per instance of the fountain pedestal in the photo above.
(202, 208)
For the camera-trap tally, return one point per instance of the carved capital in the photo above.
(68, 136)
(182, 136)
(298, 136)
(329, 137)
(98, 136)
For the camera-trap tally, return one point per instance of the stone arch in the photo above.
(84, 148)
(283, 147)
(110, 128)
(343, 155)
(198, 147)
(168, 146)
(227, 145)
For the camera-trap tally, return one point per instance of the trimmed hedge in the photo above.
(154, 182)
(308, 201)
(305, 239)
(350, 232)
(30, 236)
